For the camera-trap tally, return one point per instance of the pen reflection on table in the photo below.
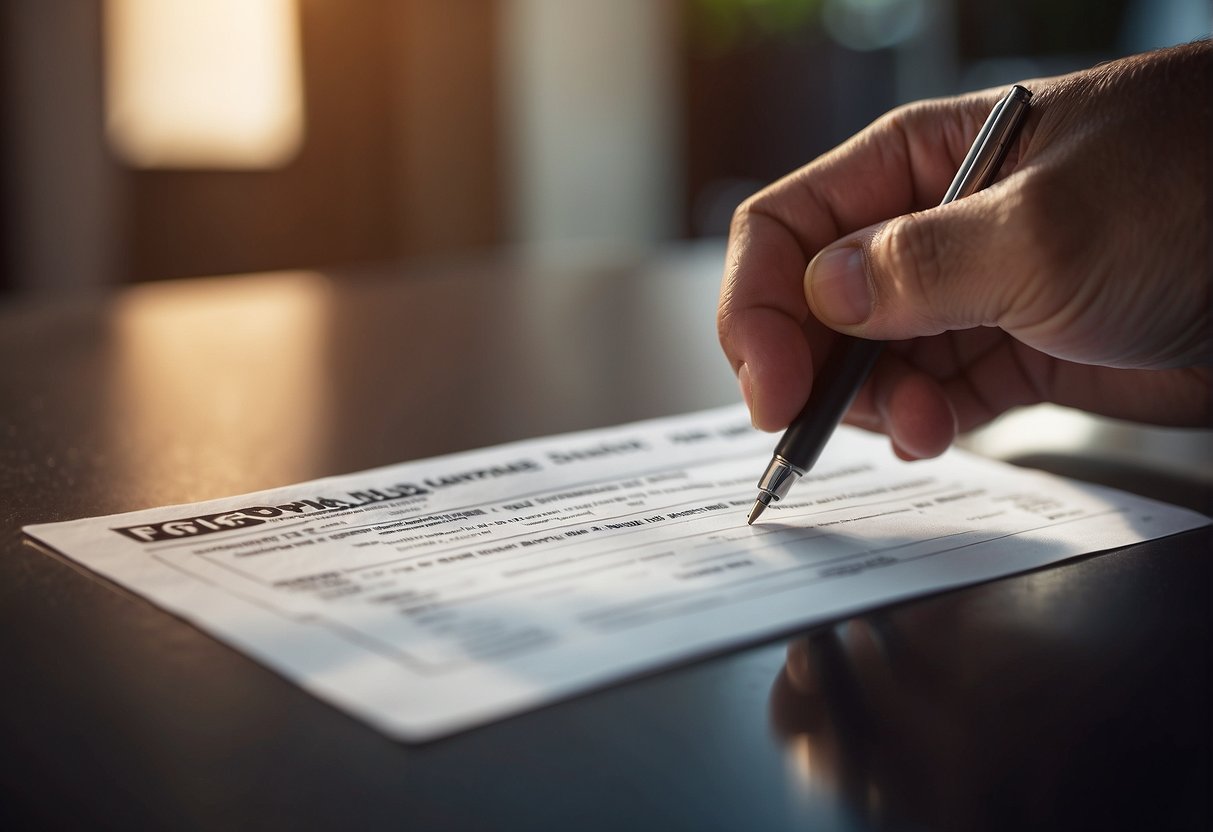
(931, 717)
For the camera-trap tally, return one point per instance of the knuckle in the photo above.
(740, 219)
(725, 322)
(912, 259)
(744, 213)
(728, 302)
(907, 116)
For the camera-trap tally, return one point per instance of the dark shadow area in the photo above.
(1014, 705)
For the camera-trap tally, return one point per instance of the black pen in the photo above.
(852, 358)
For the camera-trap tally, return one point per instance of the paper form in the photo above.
(433, 596)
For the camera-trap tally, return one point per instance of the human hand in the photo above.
(1082, 277)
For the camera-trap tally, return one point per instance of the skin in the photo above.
(1082, 277)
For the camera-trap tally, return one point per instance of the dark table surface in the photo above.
(1071, 697)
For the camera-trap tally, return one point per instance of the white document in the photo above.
(432, 596)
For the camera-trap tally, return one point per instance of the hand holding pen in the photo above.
(851, 359)
(1082, 278)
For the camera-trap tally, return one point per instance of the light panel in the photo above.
(210, 84)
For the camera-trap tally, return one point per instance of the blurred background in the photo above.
(151, 139)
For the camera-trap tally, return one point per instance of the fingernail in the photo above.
(747, 393)
(839, 287)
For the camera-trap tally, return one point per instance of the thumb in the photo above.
(920, 274)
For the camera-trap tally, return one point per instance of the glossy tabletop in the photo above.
(1071, 697)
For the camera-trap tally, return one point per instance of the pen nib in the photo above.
(760, 506)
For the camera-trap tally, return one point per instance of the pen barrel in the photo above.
(834, 388)
(990, 148)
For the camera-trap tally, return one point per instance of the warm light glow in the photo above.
(1042, 428)
(203, 83)
(229, 374)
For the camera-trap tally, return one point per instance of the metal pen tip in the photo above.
(760, 506)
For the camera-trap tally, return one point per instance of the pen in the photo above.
(852, 358)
